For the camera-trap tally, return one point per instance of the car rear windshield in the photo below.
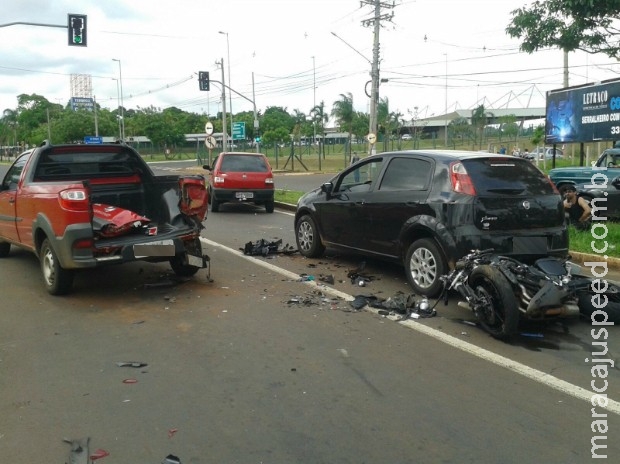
(492, 176)
(243, 163)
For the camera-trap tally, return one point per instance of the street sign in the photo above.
(210, 142)
(372, 138)
(238, 131)
(91, 139)
(209, 128)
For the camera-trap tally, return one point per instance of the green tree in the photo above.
(587, 25)
(508, 127)
(319, 119)
(277, 117)
(479, 120)
(460, 129)
(342, 111)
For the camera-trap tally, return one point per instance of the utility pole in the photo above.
(224, 135)
(375, 21)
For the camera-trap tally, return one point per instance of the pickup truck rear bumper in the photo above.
(126, 248)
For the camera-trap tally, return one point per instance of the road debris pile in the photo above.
(405, 305)
(264, 247)
(357, 277)
(317, 298)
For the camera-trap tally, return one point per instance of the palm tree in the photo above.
(479, 119)
(342, 111)
(319, 119)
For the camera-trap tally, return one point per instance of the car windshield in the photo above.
(508, 176)
(245, 163)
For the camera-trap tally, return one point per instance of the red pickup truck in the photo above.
(84, 206)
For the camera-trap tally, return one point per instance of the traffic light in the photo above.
(77, 30)
(203, 80)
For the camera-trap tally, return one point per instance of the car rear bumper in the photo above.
(239, 195)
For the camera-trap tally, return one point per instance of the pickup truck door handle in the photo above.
(12, 200)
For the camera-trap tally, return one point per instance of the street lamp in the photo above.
(446, 116)
(229, 91)
(120, 79)
(118, 104)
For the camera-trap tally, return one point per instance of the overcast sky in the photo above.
(430, 50)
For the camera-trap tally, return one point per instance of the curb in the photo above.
(612, 263)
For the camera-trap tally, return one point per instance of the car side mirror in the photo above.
(206, 167)
(327, 188)
(616, 182)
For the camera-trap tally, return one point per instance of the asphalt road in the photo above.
(239, 371)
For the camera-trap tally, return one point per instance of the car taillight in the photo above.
(460, 179)
(74, 199)
(555, 189)
(269, 180)
(218, 180)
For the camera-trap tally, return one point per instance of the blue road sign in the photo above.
(91, 139)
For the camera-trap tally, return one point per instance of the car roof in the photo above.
(444, 154)
(241, 153)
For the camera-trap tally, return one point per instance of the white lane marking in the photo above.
(521, 369)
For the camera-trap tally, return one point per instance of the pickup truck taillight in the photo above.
(74, 199)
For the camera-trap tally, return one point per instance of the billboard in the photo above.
(82, 103)
(584, 113)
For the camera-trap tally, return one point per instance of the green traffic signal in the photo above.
(76, 24)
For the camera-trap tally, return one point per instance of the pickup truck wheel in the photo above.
(58, 281)
(181, 268)
(5, 247)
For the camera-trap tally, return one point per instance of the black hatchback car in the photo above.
(427, 208)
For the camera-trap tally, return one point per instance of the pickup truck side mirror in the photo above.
(206, 167)
(616, 182)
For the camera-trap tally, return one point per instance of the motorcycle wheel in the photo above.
(612, 308)
(500, 317)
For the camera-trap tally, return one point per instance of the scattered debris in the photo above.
(263, 247)
(171, 432)
(131, 364)
(305, 278)
(130, 381)
(171, 459)
(356, 276)
(98, 454)
(313, 298)
(328, 279)
(400, 303)
(79, 450)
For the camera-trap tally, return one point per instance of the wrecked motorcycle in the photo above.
(501, 290)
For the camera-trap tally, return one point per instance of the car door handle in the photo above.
(411, 203)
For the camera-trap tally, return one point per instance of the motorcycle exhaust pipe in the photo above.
(567, 310)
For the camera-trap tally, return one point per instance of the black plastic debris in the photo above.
(131, 364)
(263, 247)
(356, 276)
(171, 459)
(328, 279)
(79, 450)
(363, 300)
(399, 303)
